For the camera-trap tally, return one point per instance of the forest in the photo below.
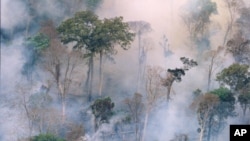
(120, 70)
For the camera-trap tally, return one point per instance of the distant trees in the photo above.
(198, 20)
(233, 7)
(95, 36)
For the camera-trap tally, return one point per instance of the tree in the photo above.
(225, 109)
(239, 47)
(102, 110)
(213, 56)
(236, 76)
(233, 7)
(198, 20)
(35, 45)
(109, 34)
(62, 65)
(205, 106)
(176, 74)
(80, 29)
(153, 93)
(95, 36)
(135, 107)
(244, 100)
(140, 28)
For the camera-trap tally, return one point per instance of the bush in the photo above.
(46, 137)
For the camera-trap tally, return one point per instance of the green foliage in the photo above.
(224, 94)
(38, 42)
(46, 137)
(102, 109)
(224, 109)
(35, 45)
(79, 29)
(94, 34)
(236, 76)
(227, 102)
(244, 100)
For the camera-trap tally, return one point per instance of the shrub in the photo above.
(46, 137)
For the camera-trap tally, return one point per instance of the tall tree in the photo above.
(205, 106)
(225, 109)
(62, 66)
(80, 29)
(95, 36)
(197, 21)
(109, 34)
(237, 78)
(233, 7)
(214, 59)
(140, 28)
(153, 93)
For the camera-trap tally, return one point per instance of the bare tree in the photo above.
(233, 7)
(135, 107)
(214, 58)
(62, 65)
(140, 28)
(24, 92)
(153, 93)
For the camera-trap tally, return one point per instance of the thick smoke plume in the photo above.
(165, 44)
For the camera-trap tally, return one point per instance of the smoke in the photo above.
(164, 16)
(13, 14)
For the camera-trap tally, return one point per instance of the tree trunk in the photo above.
(63, 102)
(244, 109)
(101, 74)
(145, 126)
(230, 24)
(90, 77)
(210, 71)
(209, 129)
(201, 134)
(169, 91)
(139, 62)
(63, 110)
